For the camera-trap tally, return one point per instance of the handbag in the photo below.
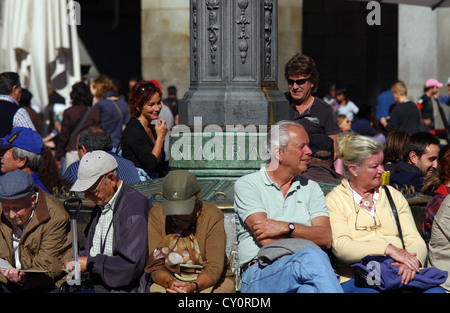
(395, 213)
(376, 272)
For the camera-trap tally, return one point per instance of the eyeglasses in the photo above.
(96, 188)
(298, 81)
(375, 225)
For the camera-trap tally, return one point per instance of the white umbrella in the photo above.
(428, 3)
(42, 46)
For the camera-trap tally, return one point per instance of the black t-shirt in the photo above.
(319, 118)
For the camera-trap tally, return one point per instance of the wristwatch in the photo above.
(291, 229)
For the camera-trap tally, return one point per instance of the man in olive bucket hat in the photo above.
(188, 241)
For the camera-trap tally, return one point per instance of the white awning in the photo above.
(41, 44)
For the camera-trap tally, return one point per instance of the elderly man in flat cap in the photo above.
(35, 236)
(115, 251)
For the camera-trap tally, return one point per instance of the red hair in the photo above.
(141, 93)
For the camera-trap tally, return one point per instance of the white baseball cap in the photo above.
(93, 165)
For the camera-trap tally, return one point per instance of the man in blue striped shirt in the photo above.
(95, 137)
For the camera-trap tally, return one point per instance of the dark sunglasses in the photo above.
(298, 81)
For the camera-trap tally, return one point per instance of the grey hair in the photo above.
(34, 160)
(358, 149)
(278, 136)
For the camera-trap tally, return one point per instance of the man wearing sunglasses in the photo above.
(115, 251)
(316, 116)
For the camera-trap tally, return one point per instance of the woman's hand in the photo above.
(176, 286)
(14, 275)
(407, 262)
(161, 129)
(407, 274)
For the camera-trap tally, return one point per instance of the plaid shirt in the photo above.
(431, 209)
(104, 230)
(21, 118)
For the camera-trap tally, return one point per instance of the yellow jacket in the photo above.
(352, 241)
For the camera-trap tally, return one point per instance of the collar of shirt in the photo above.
(111, 203)
(8, 98)
(358, 198)
(267, 181)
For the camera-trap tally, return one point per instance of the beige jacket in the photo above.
(350, 244)
(439, 245)
(210, 235)
(44, 245)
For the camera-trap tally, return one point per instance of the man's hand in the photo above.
(82, 261)
(14, 275)
(269, 229)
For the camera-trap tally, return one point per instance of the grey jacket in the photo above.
(281, 248)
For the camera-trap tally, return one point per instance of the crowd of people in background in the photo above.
(100, 142)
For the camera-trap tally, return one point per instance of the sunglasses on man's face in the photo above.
(298, 81)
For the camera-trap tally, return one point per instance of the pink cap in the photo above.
(433, 82)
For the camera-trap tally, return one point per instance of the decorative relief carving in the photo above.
(243, 21)
(213, 6)
(268, 10)
(194, 36)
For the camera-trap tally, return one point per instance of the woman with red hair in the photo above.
(143, 143)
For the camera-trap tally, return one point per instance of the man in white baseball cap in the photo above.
(115, 251)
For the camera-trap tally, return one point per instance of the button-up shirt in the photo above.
(104, 231)
(21, 118)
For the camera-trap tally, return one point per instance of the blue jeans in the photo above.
(306, 271)
(349, 287)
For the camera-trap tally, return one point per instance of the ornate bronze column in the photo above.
(233, 68)
(233, 95)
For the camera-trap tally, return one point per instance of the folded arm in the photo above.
(268, 230)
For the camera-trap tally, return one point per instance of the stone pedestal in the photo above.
(233, 75)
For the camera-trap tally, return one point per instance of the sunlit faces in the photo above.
(103, 190)
(368, 175)
(18, 211)
(427, 163)
(8, 162)
(302, 92)
(345, 124)
(295, 156)
(151, 109)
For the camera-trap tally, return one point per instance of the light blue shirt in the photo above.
(350, 110)
(256, 192)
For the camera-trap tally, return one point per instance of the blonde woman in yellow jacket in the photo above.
(361, 217)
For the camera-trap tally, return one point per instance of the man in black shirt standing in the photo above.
(316, 116)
